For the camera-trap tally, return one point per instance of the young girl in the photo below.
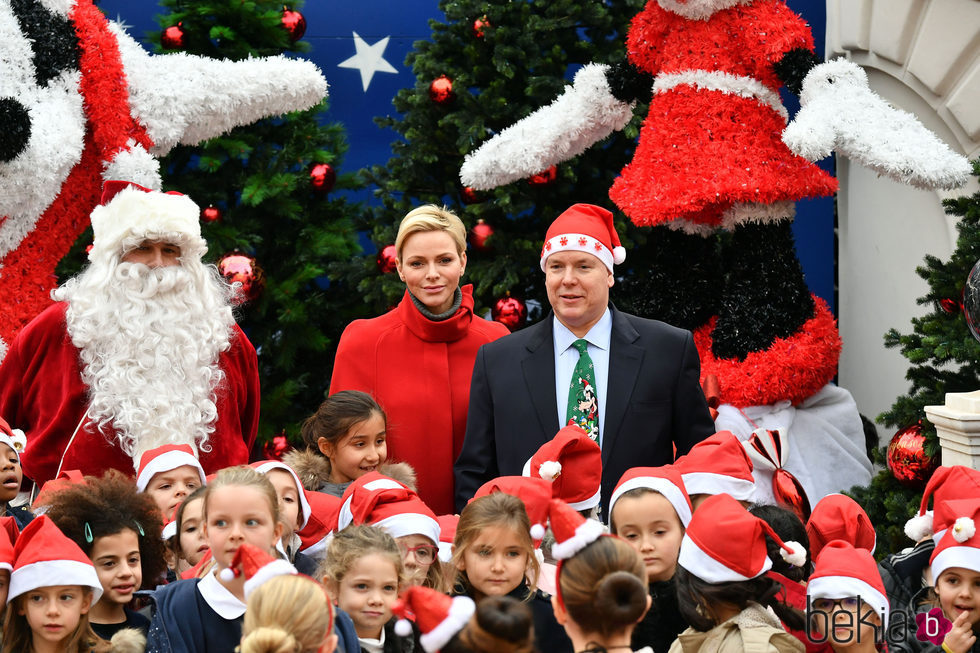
(722, 587)
(493, 553)
(288, 613)
(205, 614)
(169, 473)
(188, 544)
(345, 440)
(649, 509)
(119, 530)
(363, 574)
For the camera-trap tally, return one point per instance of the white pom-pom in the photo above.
(919, 527)
(796, 556)
(619, 255)
(227, 574)
(963, 529)
(550, 470)
(403, 627)
(19, 439)
(537, 531)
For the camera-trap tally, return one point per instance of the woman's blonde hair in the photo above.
(286, 614)
(355, 542)
(17, 635)
(242, 475)
(497, 509)
(431, 218)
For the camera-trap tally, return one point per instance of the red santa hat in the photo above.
(9, 526)
(842, 570)
(170, 524)
(66, 478)
(718, 464)
(13, 438)
(44, 557)
(536, 493)
(130, 211)
(584, 228)
(256, 565)
(315, 536)
(839, 517)
(7, 549)
(438, 616)
(384, 502)
(572, 531)
(447, 532)
(725, 543)
(266, 466)
(665, 480)
(960, 544)
(572, 462)
(164, 459)
(946, 483)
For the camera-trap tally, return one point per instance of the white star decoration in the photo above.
(368, 60)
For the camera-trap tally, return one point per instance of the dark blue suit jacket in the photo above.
(654, 400)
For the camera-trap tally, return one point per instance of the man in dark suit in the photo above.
(641, 377)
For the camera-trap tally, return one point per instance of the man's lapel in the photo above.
(539, 376)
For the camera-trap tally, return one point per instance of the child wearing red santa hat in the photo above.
(294, 511)
(168, 474)
(572, 463)
(12, 442)
(718, 464)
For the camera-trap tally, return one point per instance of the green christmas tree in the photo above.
(503, 60)
(944, 357)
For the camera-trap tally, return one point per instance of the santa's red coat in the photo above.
(419, 371)
(41, 392)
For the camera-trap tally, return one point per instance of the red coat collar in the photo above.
(448, 330)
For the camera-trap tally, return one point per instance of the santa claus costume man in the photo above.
(141, 349)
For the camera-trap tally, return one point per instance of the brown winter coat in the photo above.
(313, 469)
(753, 630)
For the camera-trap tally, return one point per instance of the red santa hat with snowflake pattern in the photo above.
(572, 462)
(584, 228)
(266, 466)
(665, 480)
(44, 556)
(536, 493)
(946, 483)
(839, 517)
(725, 543)
(718, 464)
(960, 544)
(842, 570)
(438, 616)
(380, 501)
(164, 459)
(257, 566)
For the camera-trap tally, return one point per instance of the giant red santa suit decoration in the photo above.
(133, 357)
(716, 153)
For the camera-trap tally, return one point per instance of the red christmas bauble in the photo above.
(241, 268)
(950, 305)
(479, 25)
(479, 235)
(276, 448)
(322, 178)
(441, 90)
(907, 457)
(294, 23)
(386, 259)
(544, 178)
(509, 311)
(212, 214)
(469, 195)
(173, 37)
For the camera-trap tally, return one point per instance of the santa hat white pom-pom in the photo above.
(919, 527)
(549, 470)
(963, 529)
(619, 255)
(797, 555)
(403, 627)
(227, 574)
(537, 531)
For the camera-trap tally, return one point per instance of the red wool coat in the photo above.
(41, 392)
(419, 371)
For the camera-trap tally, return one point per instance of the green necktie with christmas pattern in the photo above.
(583, 403)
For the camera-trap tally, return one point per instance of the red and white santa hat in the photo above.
(315, 536)
(572, 462)
(13, 438)
(584, 228)
(842, 570)
(66, 478)
(718, 464)
(170, 524)
(946, 483)
(256, 565)
(380, 501)
(130, 211)
(725, 542)
(960, 544)
(447, 532)
(665, 480)
(536, 493)
(166, 458)
(44, 556)
(439, 617)
(266, 466)
(839, 517)
(7, 548)
(572, 531)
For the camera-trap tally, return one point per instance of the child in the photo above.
(12, 442)
(119, 530)
(722, 587)
(168, 474)
(52, 587)
(288, 613)
(847, 605)
(839, 517)
(499, 624)
(493, 553)
(363, 574)
(345, 440)
(649, 509)
(572, 462)
(294, 511)
(6, 565)
(205, 614)
(718, 464)
(188, 544)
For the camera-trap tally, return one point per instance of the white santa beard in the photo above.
(149, 341)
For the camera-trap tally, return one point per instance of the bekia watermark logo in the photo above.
(932, 626)
(849, 620)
